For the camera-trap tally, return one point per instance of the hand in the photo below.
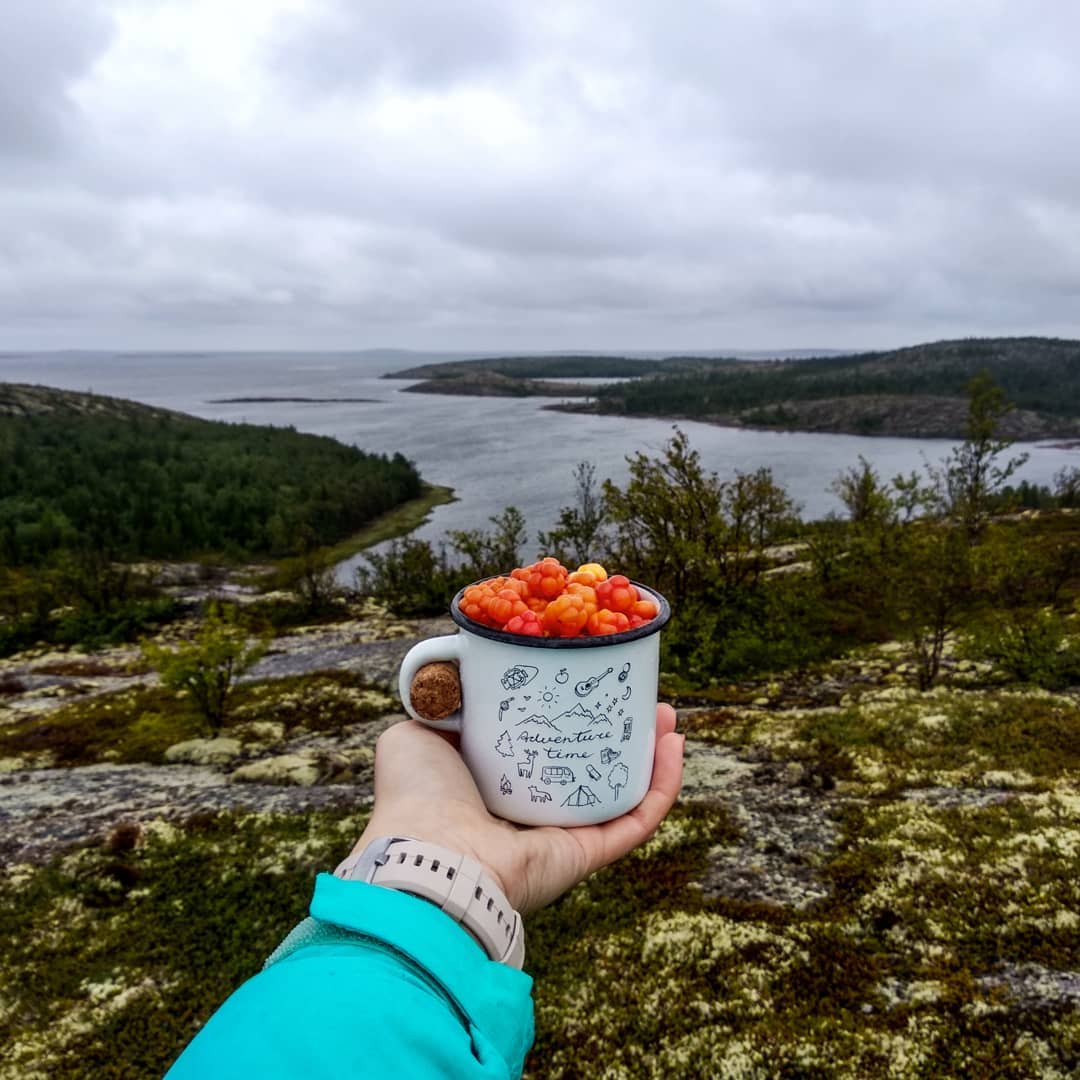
(424, 790)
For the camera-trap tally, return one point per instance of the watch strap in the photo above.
(455, 883)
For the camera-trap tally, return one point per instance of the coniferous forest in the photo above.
(91, 485)
(161, 485)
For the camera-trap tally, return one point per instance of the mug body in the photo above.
(555, 731)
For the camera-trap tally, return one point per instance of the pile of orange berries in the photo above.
(547, 600)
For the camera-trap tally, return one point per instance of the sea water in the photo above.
(493, 452)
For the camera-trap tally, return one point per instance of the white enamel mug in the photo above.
(555, 731)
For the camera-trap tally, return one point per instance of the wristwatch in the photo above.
(455, 883)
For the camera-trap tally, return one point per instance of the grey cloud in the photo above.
(349, 44)
(486, 174)
(916, 93)
(45, 45)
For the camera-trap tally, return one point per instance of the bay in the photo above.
(493, 451)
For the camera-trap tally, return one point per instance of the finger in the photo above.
(625, 833)
(665, 720)
(611, 840)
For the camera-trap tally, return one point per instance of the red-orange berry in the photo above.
(504, 605)
(565, 616)
(547, 578)
(617, 593)
(528, 623)
(544, 599)
(606, 621)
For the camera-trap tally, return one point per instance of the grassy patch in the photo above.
(893, 975)
(140, 724)
(949, 927)
(964, 888)
(893, 738)
(397, 522)
(322, 701)
(127, 726)
(911, 738)
(638, 974)
(112, 957)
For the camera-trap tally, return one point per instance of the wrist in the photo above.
(454, 882)
(446, 838)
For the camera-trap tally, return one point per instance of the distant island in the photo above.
(914, 392)
(292, 400)
(532, 367)
(481, 383)
(522, 376)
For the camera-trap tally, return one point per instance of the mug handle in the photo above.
(447, 648)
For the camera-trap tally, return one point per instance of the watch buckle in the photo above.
(376, 854)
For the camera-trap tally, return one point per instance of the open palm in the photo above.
(424, 790)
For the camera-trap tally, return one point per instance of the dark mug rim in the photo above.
(653, 626)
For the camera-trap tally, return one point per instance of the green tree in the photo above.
(489, 553)
(411, 577)
(311, 575)
(967, 481)
(668, 523)
(1067, 486)
(208, 665)
(756, 511)
(929, 582)
(579, 535)
(863, 494)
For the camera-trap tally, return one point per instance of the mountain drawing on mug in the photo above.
(575, 720)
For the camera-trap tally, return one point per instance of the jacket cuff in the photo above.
(493, 998)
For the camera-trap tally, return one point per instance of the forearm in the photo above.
(386, 986)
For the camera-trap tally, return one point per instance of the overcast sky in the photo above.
(514, 174)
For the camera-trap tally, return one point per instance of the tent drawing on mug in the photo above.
(581, 796)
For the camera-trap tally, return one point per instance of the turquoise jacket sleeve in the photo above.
(377, 984)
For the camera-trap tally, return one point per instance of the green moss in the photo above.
(955, 730)
(134, 944)
(938, 902)
(320, 701)
(638, 975)
(726, 726)
(139, 725)
(127, 726)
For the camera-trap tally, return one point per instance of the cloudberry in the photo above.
(617, 593)
(543, 599)
(565, 616)
(528, 623)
